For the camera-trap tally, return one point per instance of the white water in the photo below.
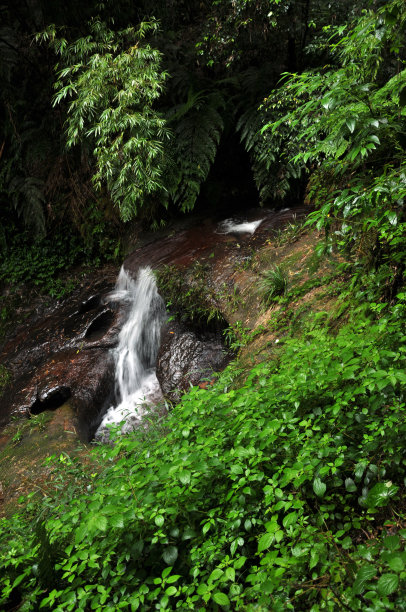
(136, 385)
(232, 226)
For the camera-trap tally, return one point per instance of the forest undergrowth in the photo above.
(282, 485)
(282, 491)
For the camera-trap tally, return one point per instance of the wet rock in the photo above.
(64, 354)
(90, 304)
(186, 359)
(100, 325)
(86, 377)
(50, 399)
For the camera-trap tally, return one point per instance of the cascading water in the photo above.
(136, 384)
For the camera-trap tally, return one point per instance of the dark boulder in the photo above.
(187, 359)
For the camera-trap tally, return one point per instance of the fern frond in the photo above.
(272, 175)
(196, 139)
(27, 197)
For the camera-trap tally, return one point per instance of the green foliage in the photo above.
(290, 233)
(347, 121)
(198, 126)
(188, 296)
(274, 284)
(288, 486)
(113, 79)
(272, 180)
(40, 264)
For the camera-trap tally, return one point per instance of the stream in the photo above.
(136, 384)
(97, 350)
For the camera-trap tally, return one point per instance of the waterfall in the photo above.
(136, 385)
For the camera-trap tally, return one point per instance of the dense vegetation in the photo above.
(282, 486)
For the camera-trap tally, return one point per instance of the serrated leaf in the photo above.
(221, 599)
(289, 519)
(380, 494)
(396, 564)
(97, 522)
(387, 584)
(267, 587)
(230, 574)
(392, 542)
(319, 487)
(265, 541)
(184, 477)
(366, 573)
(117, 520)
(80, 533)
(215, 575)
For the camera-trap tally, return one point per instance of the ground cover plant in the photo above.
(281, 486)
(284, 493)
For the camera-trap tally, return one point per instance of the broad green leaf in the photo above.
(171, 591)
(380, 494)
(215, 575)
(221, 599)
(350, 485)
(267, 587)
(392, 542)
(117, 520)
(173, 578)
(159, 520)
(319, 487)
(289, 519)
(184, 477)
(265, 541)
(396, 564)
(97, 522)
(387, 584)
(364, 575)
(170, 555)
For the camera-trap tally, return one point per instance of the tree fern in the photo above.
(27, 196)
(272, 178)
(197, 130)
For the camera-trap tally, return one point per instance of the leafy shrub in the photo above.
(346, 124)
(188, 296)
(286, 489)
(113, 79)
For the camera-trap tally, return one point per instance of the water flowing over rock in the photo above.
(136, 385)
